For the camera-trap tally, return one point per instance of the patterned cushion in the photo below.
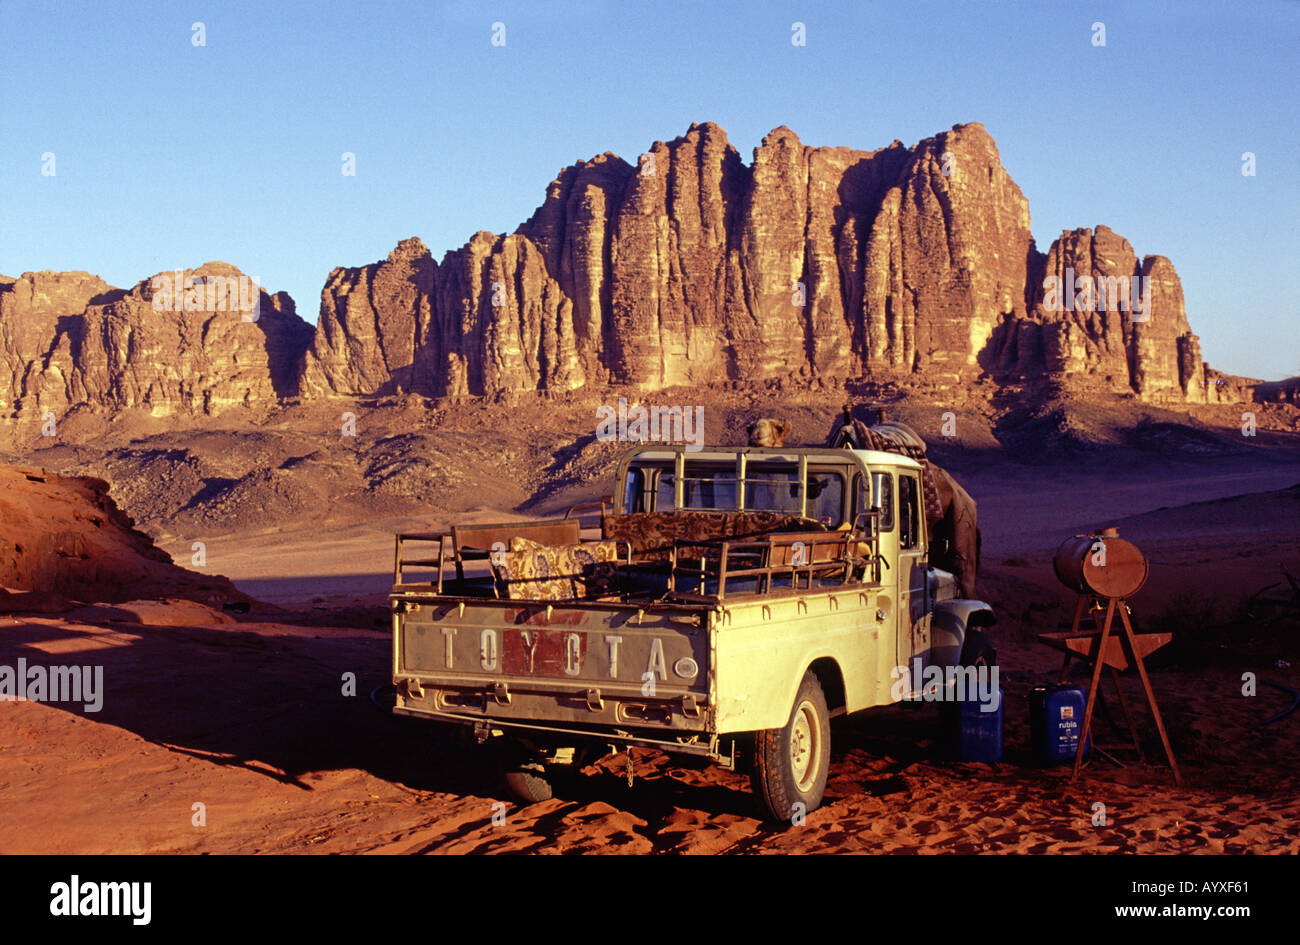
(869, 439)
(930, 491)
(533, 571)
(651, 534)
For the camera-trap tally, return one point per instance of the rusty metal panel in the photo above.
(500, 641)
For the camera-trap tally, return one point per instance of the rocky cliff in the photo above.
(192, 341)
(1099, 312)
(813, 262)
(688, 266)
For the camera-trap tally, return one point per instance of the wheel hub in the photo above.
(804, 746)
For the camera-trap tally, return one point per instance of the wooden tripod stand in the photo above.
(1114, 652)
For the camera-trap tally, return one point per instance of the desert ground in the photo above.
(247, 714)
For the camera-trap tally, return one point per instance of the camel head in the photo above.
(768, 432)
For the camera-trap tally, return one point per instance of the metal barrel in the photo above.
(1103, 564)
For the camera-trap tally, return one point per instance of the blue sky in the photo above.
(168, 154)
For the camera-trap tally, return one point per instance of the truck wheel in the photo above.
(529, 783)
(976, 650)
(791, 763)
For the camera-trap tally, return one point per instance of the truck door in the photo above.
(913, 607)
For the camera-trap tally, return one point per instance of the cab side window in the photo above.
(882, 489)
(909, 512)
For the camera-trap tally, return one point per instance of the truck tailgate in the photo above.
(571, 662)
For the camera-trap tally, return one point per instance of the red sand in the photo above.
(250, 720)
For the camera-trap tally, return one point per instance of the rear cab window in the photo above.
(716, 485)
(773, 487)
(826, 498)
(708, 485)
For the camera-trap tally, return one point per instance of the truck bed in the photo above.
(636, 654)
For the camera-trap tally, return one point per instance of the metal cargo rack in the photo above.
(799, 557)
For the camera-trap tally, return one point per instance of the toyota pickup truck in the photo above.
(735, 600)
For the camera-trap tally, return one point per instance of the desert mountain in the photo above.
(817, 264)
(193, 341)
(825, 263)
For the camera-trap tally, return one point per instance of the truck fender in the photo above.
(829, 674)
(951, 622)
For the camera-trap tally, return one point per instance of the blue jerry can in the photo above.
(1055, 720)
(979, 732)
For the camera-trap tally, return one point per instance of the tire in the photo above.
(977, 651)
(791, 763)
(529, 783)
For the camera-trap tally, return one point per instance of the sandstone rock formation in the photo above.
(373, 321)
(523, 312)
(688, 267)
(812, 262)
(1282, 392)
(197, 340)
(1100, 313)
(33, 309)
(63, 535)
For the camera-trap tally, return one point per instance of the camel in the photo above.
(768, 432)
(950, 512)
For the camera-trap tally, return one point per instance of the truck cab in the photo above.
(832, 487)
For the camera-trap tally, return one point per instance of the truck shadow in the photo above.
(274, 699)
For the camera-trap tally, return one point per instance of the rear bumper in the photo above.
(702, 745)
(675, 714)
